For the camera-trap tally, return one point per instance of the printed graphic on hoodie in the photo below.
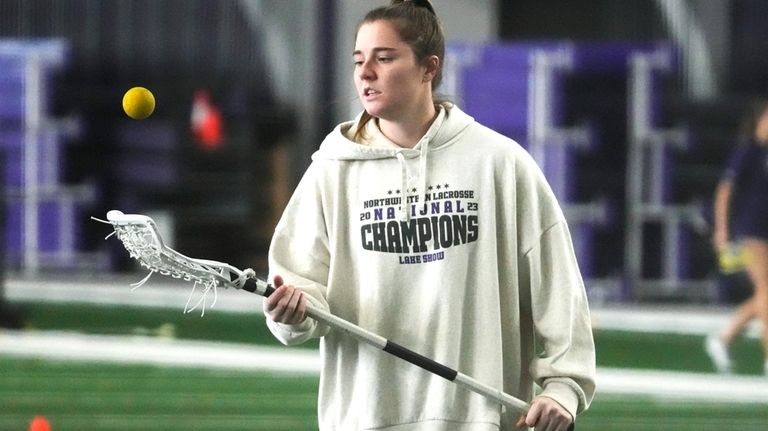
(444, 218)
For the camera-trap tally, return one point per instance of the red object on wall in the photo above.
(206, 122)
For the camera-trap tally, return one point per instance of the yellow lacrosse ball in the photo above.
(138, 103)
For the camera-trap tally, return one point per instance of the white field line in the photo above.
(158, 292)
(53, 345)
(667, 319)
(688, 386)
(156, 351)
(163, 292)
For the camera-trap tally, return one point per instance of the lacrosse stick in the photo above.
(140, 237)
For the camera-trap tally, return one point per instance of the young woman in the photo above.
(741, 215)
(421, 225)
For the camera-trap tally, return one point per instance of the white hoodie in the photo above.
(475, 271)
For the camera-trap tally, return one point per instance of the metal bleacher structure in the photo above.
(614, 174)
(525, 90)
(133, 166)
(43, 213)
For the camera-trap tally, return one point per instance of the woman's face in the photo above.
(389, 81)
(761, 129)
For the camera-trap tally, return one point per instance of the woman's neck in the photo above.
(407, 132)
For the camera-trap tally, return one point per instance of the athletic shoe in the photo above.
(718, 353)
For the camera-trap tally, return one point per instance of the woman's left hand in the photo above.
(546, 414)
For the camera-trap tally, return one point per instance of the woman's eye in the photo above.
(385, 59)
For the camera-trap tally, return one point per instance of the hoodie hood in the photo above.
(447, 127)
(450, 123)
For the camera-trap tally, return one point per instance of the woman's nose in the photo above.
(366, 72)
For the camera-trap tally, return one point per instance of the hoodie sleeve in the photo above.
(564, 357)
(564, 365)
(299, 253)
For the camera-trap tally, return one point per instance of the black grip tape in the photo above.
(421, 361)
(251, 286)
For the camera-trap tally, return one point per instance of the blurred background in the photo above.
(630, 107)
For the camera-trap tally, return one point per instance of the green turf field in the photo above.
(101, 396)
(124, 320)
(86, 396)
(83, 396)
(676, 352)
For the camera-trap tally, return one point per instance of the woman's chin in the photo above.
(375, 108)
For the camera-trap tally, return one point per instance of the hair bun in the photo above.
(418, 3)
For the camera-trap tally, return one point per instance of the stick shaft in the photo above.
(262, 288)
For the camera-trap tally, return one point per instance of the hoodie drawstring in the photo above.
(423, 156)
(423, 168)
(403, 186)
(405, 177)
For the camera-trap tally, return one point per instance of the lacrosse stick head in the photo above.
(142, 240)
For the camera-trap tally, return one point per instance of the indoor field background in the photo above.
(583, 85)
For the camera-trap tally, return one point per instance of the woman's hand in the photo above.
(546, 414)
(286, 304)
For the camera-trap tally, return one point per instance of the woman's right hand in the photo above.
(286, 304)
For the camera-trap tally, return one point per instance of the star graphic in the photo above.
(389, 192)
(445, 186)
(430, 187)
(413, 190)
(438, 186)
(398, 192)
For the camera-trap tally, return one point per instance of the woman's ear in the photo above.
(431, 67)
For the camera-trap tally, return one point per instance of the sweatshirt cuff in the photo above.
(297, 328)
(294, 334)
(564, 395)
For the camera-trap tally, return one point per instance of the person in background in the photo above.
(421, 225)
(741, 216)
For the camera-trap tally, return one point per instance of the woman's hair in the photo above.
(748, 125)
(417, 25)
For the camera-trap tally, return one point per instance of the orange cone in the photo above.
(39, 423)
